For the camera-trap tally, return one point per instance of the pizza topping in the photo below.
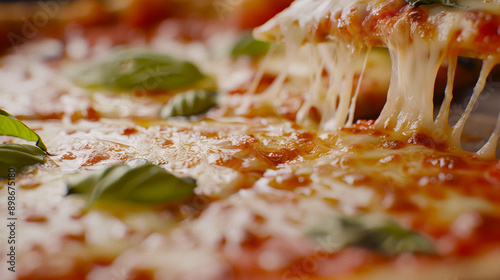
(448, 3)
(140, 70)
(18, 156)
(248, 46)
(139, 182)
(11, 126)
(418, 39)
(385, 237)
(190, 103)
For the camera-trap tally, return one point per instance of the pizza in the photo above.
(160, 140)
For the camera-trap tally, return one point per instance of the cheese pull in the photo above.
(419, 39)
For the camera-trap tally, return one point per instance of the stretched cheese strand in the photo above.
(250, 97)
(334, 102)
(328, 103)
(489, 149)
(444, 111)
(485, 71)
(409, 106)
(252, 89)
(315, 97)
(333, 110)
(315, 81)
(344, 83)
(358, 87)
(271, 93)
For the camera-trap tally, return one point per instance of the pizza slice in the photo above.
(419, 38)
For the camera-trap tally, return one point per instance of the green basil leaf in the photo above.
(18, 156)
(247, 45)
(140, 70)
(10, 126)
(447, 3)
(190, 103)
(385, 237)
(145, 183)
(391, 239)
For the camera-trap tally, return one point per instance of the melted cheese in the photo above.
(409, 106)
(485, 71)
(352, 109)
(263, 180)
(444, 111)
(417, 51)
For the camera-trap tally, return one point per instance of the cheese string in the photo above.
(489, 149)
(314, 97)
(488, 65)
(329, 54)
(352, 109)
(346, 85)
(444, 111)
(409, 105)
(336, 102)
(252, 89)
(250, 98)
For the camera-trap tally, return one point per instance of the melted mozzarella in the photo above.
(340, 164)
(416, 55)
(485, 71)
(409, 106)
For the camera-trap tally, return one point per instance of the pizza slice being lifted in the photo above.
(419, 38)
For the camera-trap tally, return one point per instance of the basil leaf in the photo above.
(141, 70)
(247, 45)
(385, 237)
(447, 3)
(145, 183)
(391, 239)
(10, 126)
(190, 103)
(18, 156)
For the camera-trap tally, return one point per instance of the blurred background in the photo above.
(25, 20)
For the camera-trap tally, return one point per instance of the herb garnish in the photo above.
(140, 70)
(144, 183)
(190, 103)
(18, 156)
(447, 3)
(10, 126)
(385, 237)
